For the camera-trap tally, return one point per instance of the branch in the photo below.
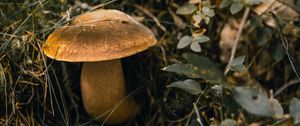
(236, 41)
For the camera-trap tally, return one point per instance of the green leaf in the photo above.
(188, 85)
(201, 39)
(206, 20)
(186, 9)
(200, 67)
(276, 106)
(253, 2)
(253, 100)
(238, 68)
(297, 5)
(208, 11)
(239, 60)
(228, 122)
(206, 3)
(279, 53)
(225, 3)
(217, 90)
(236, 7)
(295, 110)
(195, 47)
(263, 35)
(237, 64)
(185, 69)
(184, 42)
(207, 69)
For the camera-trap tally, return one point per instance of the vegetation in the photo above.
(218, 62)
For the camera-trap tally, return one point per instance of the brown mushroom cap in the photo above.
(98, 36)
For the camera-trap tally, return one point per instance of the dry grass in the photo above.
(35, 90)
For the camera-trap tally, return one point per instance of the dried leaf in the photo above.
(198, 32)
(194, 1)
(197, 18)
(228, 35)
(283, 11)
(263, 7)
(177, 20)
(280, 8)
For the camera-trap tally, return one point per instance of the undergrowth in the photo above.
(36, 90)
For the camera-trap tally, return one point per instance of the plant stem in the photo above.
(236, 41)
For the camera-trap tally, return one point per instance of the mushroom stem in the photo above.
(103, 89)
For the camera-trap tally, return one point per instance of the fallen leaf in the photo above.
(253, 100)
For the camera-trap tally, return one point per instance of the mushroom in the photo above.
(99, 39)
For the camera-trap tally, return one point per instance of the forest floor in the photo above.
(217, 62)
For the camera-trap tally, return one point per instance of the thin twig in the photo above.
(198, 114)
(236, 41)
(193, 110)
(292, 82)
(102, 5)
(163, 51)
(152, 16)
(284, 43)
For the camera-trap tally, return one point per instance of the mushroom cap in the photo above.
(98, 36)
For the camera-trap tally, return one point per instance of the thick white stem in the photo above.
(103, 88)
